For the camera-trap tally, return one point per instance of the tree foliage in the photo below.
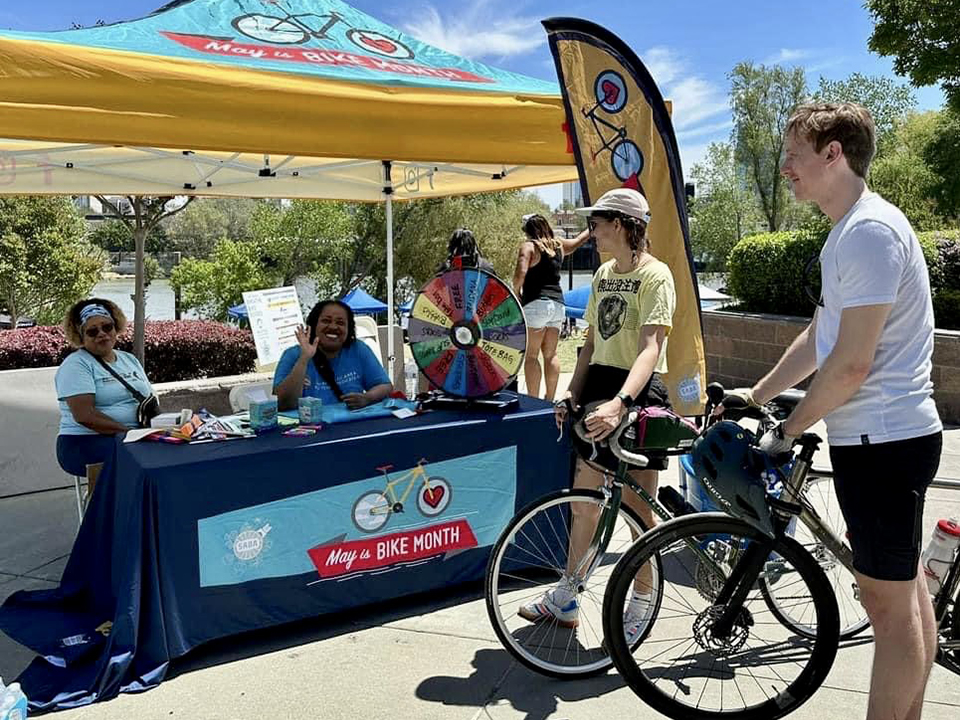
(923, 39)
(902, 175)
(196, 231)
(211, 286)
(725, 208)
(887, 101)
(115, 236)
(763, 99)
(942, 155)
(45, 262)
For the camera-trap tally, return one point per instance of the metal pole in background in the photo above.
(388, 194)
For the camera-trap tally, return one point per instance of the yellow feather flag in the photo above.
(622, 136)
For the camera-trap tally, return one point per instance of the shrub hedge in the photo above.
(174, 349)
(767, 272)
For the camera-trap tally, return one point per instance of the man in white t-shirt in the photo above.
(871, 345)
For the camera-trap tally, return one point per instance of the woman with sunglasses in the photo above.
(630, 313)
(94, 405)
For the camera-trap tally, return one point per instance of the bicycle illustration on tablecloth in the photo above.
(373, 509)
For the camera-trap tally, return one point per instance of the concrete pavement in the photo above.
(424, 657)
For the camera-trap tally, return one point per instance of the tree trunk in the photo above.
(139, 297)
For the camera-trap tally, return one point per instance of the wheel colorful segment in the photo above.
(467, 333)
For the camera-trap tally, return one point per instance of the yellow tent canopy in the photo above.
(268, 98)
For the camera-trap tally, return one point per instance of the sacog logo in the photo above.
(689, 389)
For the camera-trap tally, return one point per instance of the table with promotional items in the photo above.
(183, 544)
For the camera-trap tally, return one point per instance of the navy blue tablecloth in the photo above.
(185, 544)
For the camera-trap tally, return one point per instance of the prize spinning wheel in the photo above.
(467, 333)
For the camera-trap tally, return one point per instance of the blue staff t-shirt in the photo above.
(81, 374)
(355, 367)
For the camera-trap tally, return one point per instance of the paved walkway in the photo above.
(418, 658)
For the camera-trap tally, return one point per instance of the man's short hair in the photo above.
(849, 124)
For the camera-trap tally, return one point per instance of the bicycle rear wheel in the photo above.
(686, 667)
(530, 558)
(822, 498)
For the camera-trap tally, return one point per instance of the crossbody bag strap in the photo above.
(325, 369)
(136, 394)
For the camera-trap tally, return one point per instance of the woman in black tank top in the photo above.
(537, 281)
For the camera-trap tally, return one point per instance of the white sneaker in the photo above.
(558, 604)
(637, 616)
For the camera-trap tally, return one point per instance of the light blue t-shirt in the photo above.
(81, 374)
(355, 368)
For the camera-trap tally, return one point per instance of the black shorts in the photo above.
(881, 490)
(603, 383)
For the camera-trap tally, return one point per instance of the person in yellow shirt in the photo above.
(630, 313)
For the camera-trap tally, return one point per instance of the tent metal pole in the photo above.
(388, 194)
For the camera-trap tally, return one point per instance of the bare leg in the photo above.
(551, 361)
(901, 658)
(93, 473)
(929, 622)
(531, 362)
(648, 480)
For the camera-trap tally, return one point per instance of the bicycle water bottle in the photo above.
(938, 557)
(411, 378)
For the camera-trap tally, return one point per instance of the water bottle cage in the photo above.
(782, 507)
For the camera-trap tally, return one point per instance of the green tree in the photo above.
(887, 101)
(211, 286)
(115, 236)
(725, 208)
(942, 155)
(763, 99)
(45, 262)
(923, 39)
(903, 176)
(196, 231)
(306, 239)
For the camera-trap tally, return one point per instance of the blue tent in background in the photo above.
(360, 301)
(363, 303)
(576, 301)
(406, 307)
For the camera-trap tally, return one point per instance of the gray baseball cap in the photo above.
(621, 200)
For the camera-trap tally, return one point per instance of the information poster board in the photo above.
(274, 316)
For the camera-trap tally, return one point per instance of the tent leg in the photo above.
(391, 350)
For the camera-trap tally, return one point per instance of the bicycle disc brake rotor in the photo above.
(721, 646)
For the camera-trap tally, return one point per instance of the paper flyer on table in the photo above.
(274, 316)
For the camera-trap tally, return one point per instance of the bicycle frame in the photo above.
(412, 475)
(620, 132)
(332, 19)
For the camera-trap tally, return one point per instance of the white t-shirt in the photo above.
(873, 257)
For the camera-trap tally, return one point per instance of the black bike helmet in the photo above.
(733, 472)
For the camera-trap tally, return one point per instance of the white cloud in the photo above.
(477, 31)
(787, 56)
(663, 64)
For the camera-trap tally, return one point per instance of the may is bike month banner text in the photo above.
(622, 136)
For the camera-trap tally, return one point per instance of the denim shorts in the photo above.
(544, 313)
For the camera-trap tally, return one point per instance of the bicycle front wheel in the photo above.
(531, 557)
(688, 667)
(820, 496)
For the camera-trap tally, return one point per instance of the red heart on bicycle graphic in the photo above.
(433, 495)
(611, 93)
(381, 44)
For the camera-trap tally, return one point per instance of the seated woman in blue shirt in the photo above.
(94, 405)
(329, 363)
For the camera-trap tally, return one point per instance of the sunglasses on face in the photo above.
(94, 331)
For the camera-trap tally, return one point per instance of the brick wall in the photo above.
(742, 347)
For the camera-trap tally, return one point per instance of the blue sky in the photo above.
(689, 47)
